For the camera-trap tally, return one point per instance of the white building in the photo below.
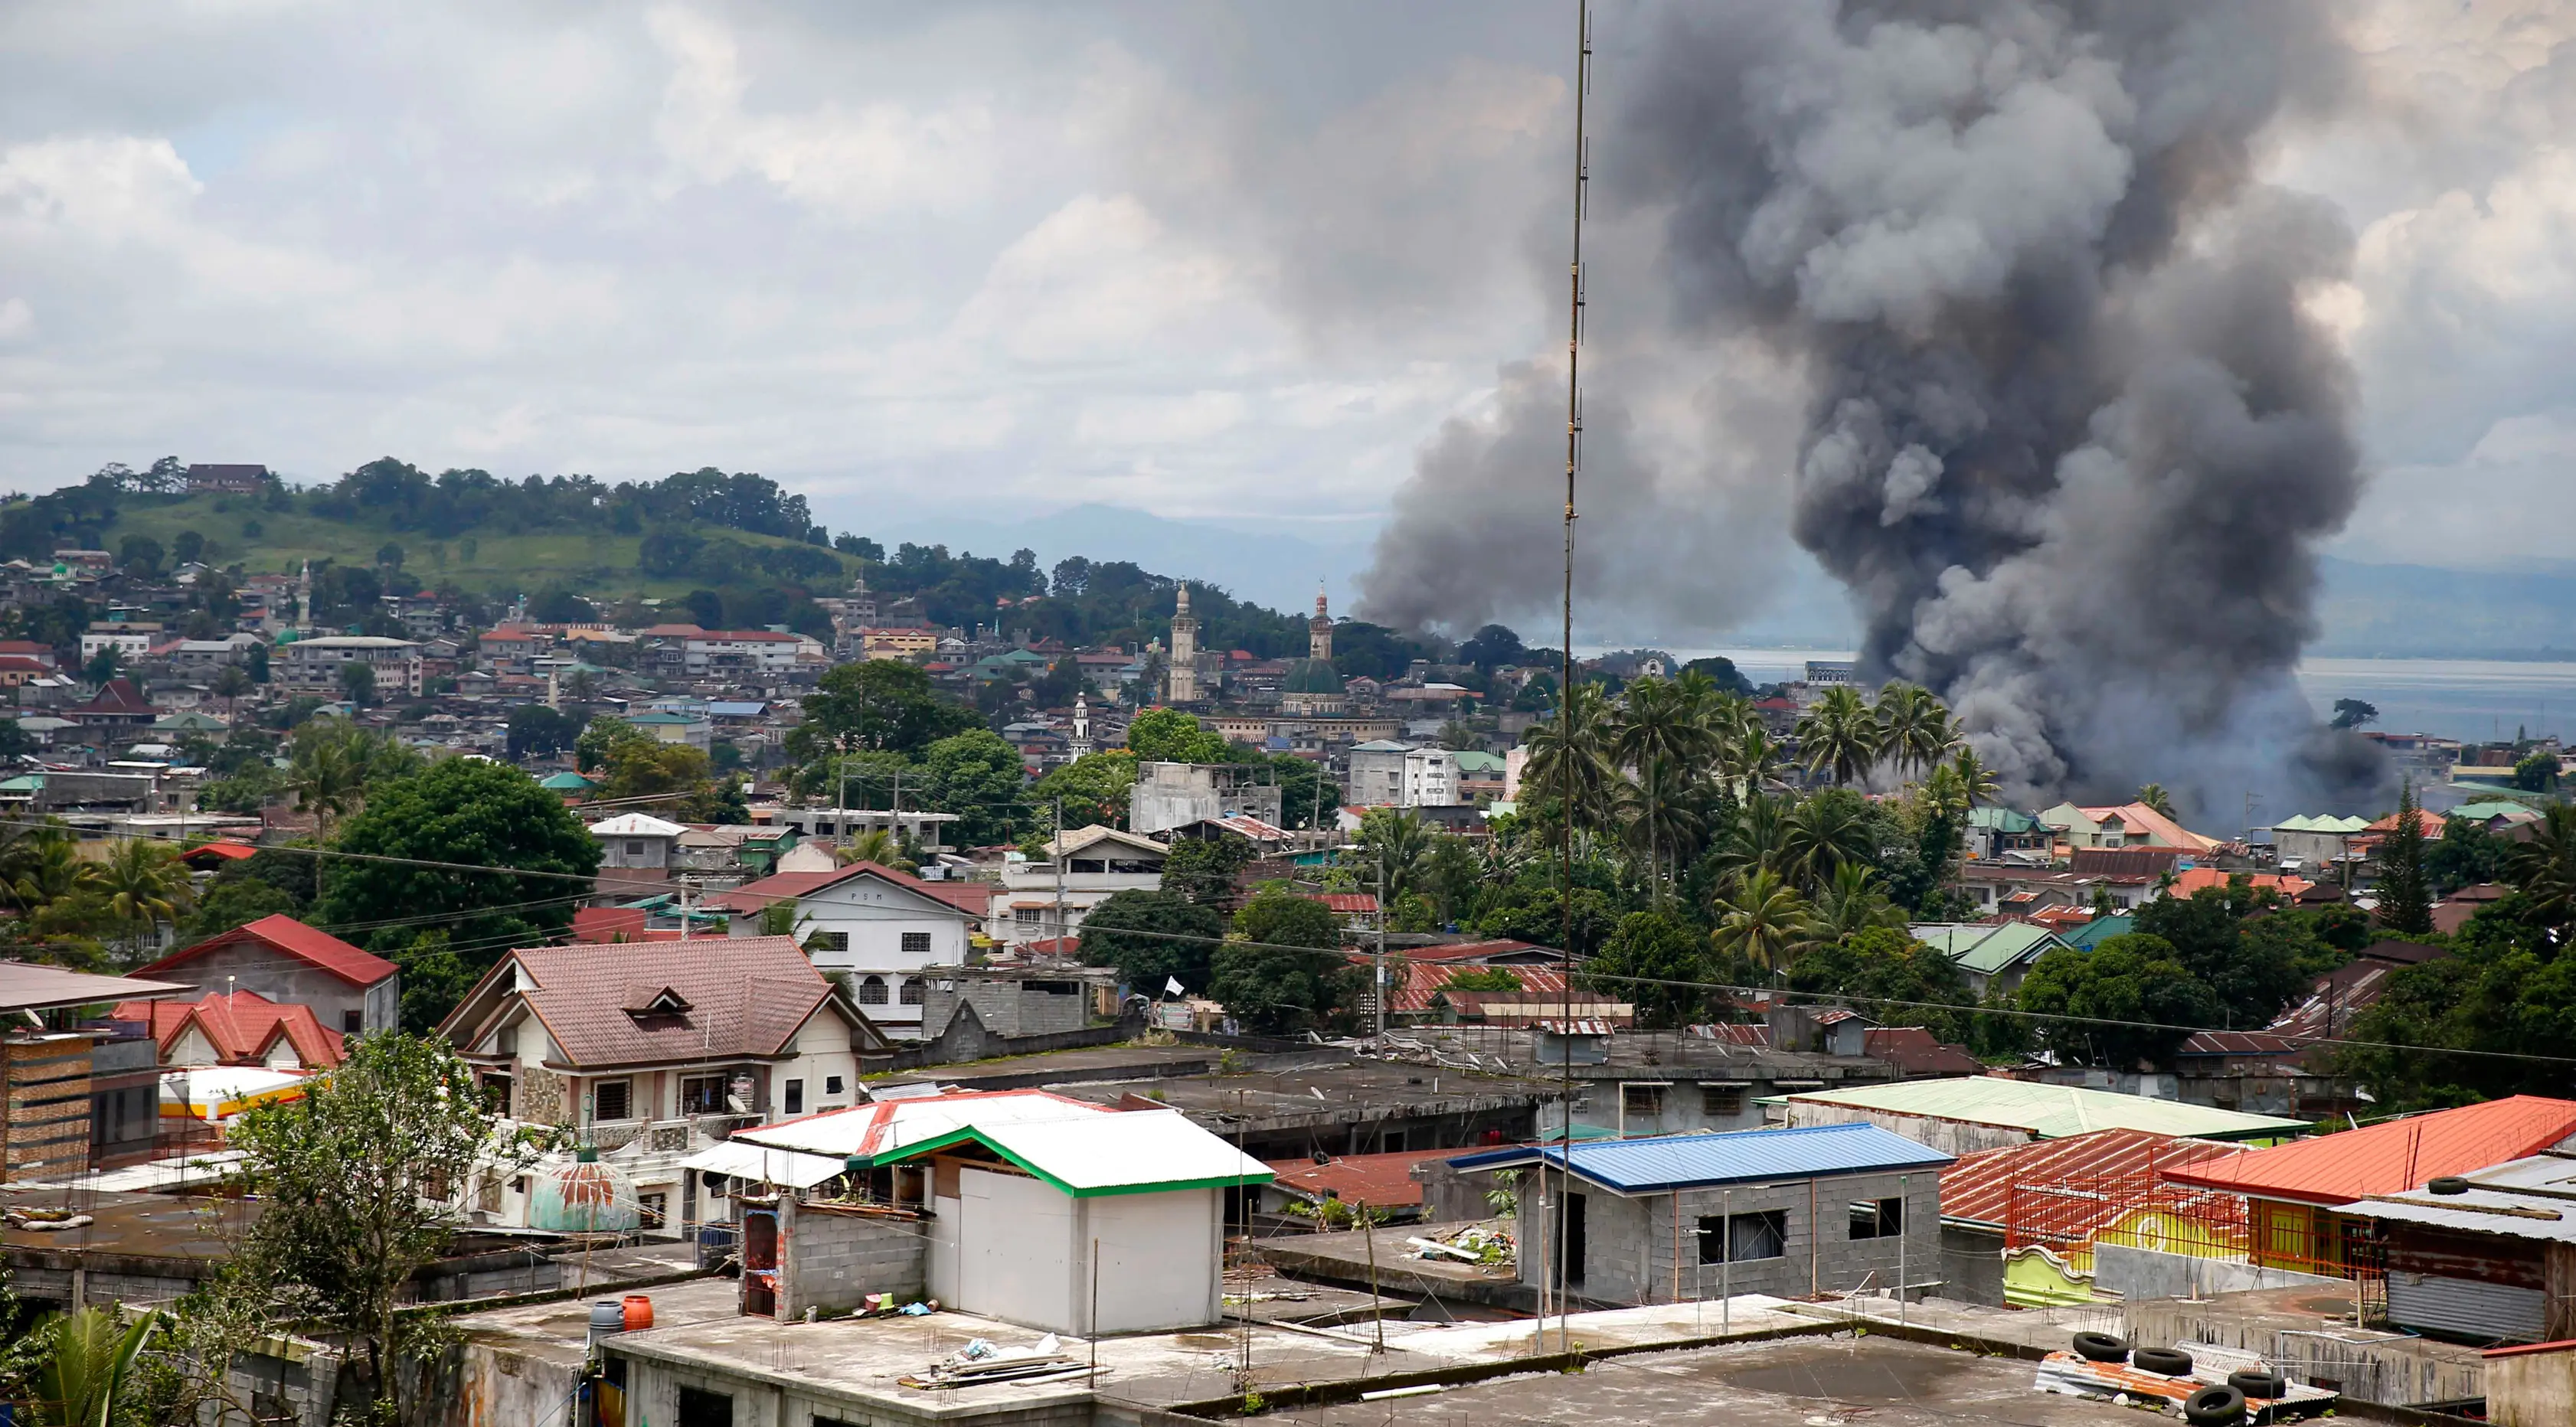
(876, 928)
(130, 641)
(1089, 865)
(636, 841)
(1387, 774)
(761, 651)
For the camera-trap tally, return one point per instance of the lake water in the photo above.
(2449, 698)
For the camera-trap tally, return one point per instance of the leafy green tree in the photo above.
(358, 683)
(1151, 936)
(360, 1180)
(537, 731)
(2465, 855)
(2537, 773)
(1535, 912)
(238, 902)
(2405, 890)
(1879, 968)
(1487, 978)
(2132, 978)
(980, 778)
(2507, 994)
(1269, 980)
(418, 837)
(2249, 981)
(1307, 797)
(1648, 948)
(1094, 788)
(1171, 736)
(876, 704)
(2353, 713)
(1203, 869)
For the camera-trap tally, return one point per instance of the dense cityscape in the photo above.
(598, 951)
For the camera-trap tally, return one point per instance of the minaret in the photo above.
(1081, 745)
(1319, 632)
(304, 597)
(1183, 684)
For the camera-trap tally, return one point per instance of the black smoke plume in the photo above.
(2071, 438)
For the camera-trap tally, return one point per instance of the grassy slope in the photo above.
(598, 561)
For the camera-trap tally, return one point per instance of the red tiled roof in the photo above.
(2120, 1166)
(294, 938)
(2392, 1156)
(778, 886)
(1381, 1181)
(225, 851)
(22, 664)
(242, 1026)
(594, 925)
(746, 996)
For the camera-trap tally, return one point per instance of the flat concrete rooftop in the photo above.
(1882, 1381)
(559, 1332)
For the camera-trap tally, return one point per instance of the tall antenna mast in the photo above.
(1565, 690)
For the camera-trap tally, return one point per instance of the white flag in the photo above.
(1171, 986)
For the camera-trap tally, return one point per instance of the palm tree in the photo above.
(1855, 901)
(2154, 796)
(145, 884)
(1839, 735)
(231, 682)
(1663, 738)
(1819, 836)
(1946, 793)
(327, 781)
(2543, 866)
(49, 870)
(1977, 782)
(876, 845)
(87, 1363)
(1914, 728)
(1570, 755)
(1763, 921)
(1397, 844)
(1752, 756)
(1656, 809)
(1754, 842)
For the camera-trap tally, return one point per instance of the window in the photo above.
(352, 1022)
(914, 988)
(916, 943)
(701, 1408)
(702, 1095)
(634, 847)
(827, 941)
(654, 1208)
(831, 1085)
(608, 1100)
(496, 1093)
(1878, 1219)
(1763, 1235)
(872, 991)
(1028, 916)
(1721, 1099)
(1641, 1099)
(796, 1097)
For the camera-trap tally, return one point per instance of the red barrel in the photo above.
(639, 1312)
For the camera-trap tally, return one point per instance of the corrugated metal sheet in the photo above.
(2466, 1306)
(1667, 1162)
(2494, 1205)
(2392, 1156)
(1979, 1187)
(2051, 1112)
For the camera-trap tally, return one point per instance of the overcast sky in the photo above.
(1200, 259)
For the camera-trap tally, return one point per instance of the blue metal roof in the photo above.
(1669, 1162)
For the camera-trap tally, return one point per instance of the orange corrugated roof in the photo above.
(2392, 1156)
(1979, 1186)
(2193, 879)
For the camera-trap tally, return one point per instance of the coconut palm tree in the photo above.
(1656, 813)
(1839, 735)
(231, 682)
(1570, 755)
(49, 870)
(1914, 728)
(1945, 793)
(85, 1366)
(1395, 845)
(876, 845)
(1819, 836)
(327, 780)
(1977, 782)
(2543, 867)
(1763, 920)
(1753, 842)
(2154, 797)
(145, 884)
(1853, 902)
(1663, 737)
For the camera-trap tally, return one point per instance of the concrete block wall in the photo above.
(1637, 1249)
(831, 1260)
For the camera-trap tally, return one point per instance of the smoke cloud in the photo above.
(2070, 437)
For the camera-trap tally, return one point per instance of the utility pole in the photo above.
(1565, 691)
(1381, 944)
(1055, 854)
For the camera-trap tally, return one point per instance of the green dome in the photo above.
(1311, 676)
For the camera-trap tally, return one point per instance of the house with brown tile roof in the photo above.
(876, 928)
(590, 1034)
